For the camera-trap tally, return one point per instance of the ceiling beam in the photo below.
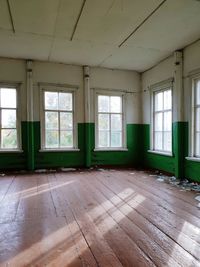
(137, 28)
(11, 17)
(78, 18)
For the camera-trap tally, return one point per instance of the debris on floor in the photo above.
(184, 185)
(41, 170)
(67, 169)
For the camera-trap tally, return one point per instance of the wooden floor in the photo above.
(97, 218)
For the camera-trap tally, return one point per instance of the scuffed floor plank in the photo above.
(96, 218)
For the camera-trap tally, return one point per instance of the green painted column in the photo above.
(30, 146)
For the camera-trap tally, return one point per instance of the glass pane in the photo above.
(116, 104)
(103, 139)
(158, 101)
(51, 120)
(8, 118)
(103, 103)
(167, 141)
(158, 140)
(197, 124)
(168, 121)
(65, 101)
(116, 122)
(66, 139)
(66, 121)
(51, 100)
(167, 99)
(9, 138)
(116, 139)
(52, 139)
(197, 145)
(158, 121)
(198, 92)
(8, 98)
(103, 122)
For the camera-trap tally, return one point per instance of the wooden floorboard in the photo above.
(97, 218)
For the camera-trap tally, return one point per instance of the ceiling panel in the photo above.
(26, 46)
(176, 24)
(110, 21)
(134, 58)
(5, 22)
(34, 16)
(79, 52)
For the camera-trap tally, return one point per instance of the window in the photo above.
(196, 149)
(8, 119)
(110, 128)
(58, 120)
(162, 120)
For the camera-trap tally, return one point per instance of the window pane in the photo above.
(103, 139)
(8, 98)
(9, 138)
(158, 121)
(51, 120)
(8, 118)
(167, 141)
(197, 119)
(158, 101)
(103, 103)
(198, 92)
(65, 101)
(103, 122)
(158, 140)
(116, 104)
(197, 144)
(66, 121)
(167, 121)
(116, 122)
(167, 99)
(66, 139)
(116, 139)
(52, 139)
(51, 100)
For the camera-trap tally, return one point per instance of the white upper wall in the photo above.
(129, 81)
(159, 73)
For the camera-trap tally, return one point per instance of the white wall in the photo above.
(161, 72)
(102, 78)
(69, 75)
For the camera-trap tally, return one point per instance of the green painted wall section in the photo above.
(155, 161)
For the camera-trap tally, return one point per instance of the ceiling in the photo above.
(122, 34)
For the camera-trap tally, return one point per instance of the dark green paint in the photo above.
(88, 144)
(30, 146)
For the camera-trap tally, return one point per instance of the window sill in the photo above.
(60, 150)
(193, 159)
(11, 151)
(110, 149)
(160, 153)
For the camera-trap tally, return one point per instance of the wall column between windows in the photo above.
(88, 142)
(178, 124)
(30, 126)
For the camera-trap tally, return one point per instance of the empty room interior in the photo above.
(99, 133)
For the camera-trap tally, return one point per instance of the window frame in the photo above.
(58, 89)
(15, 86)
(160, 87)
(194, 106)
(104, 92)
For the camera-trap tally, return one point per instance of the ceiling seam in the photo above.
(11, 17)
(54, 32)
(78, 18)
(137, 28)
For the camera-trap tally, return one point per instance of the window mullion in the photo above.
(59, 132)
(110, 130)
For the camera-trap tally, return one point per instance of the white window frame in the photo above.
(15, 86)
(192, 138)
(159, 87)
(59, 89)
(124, 141)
